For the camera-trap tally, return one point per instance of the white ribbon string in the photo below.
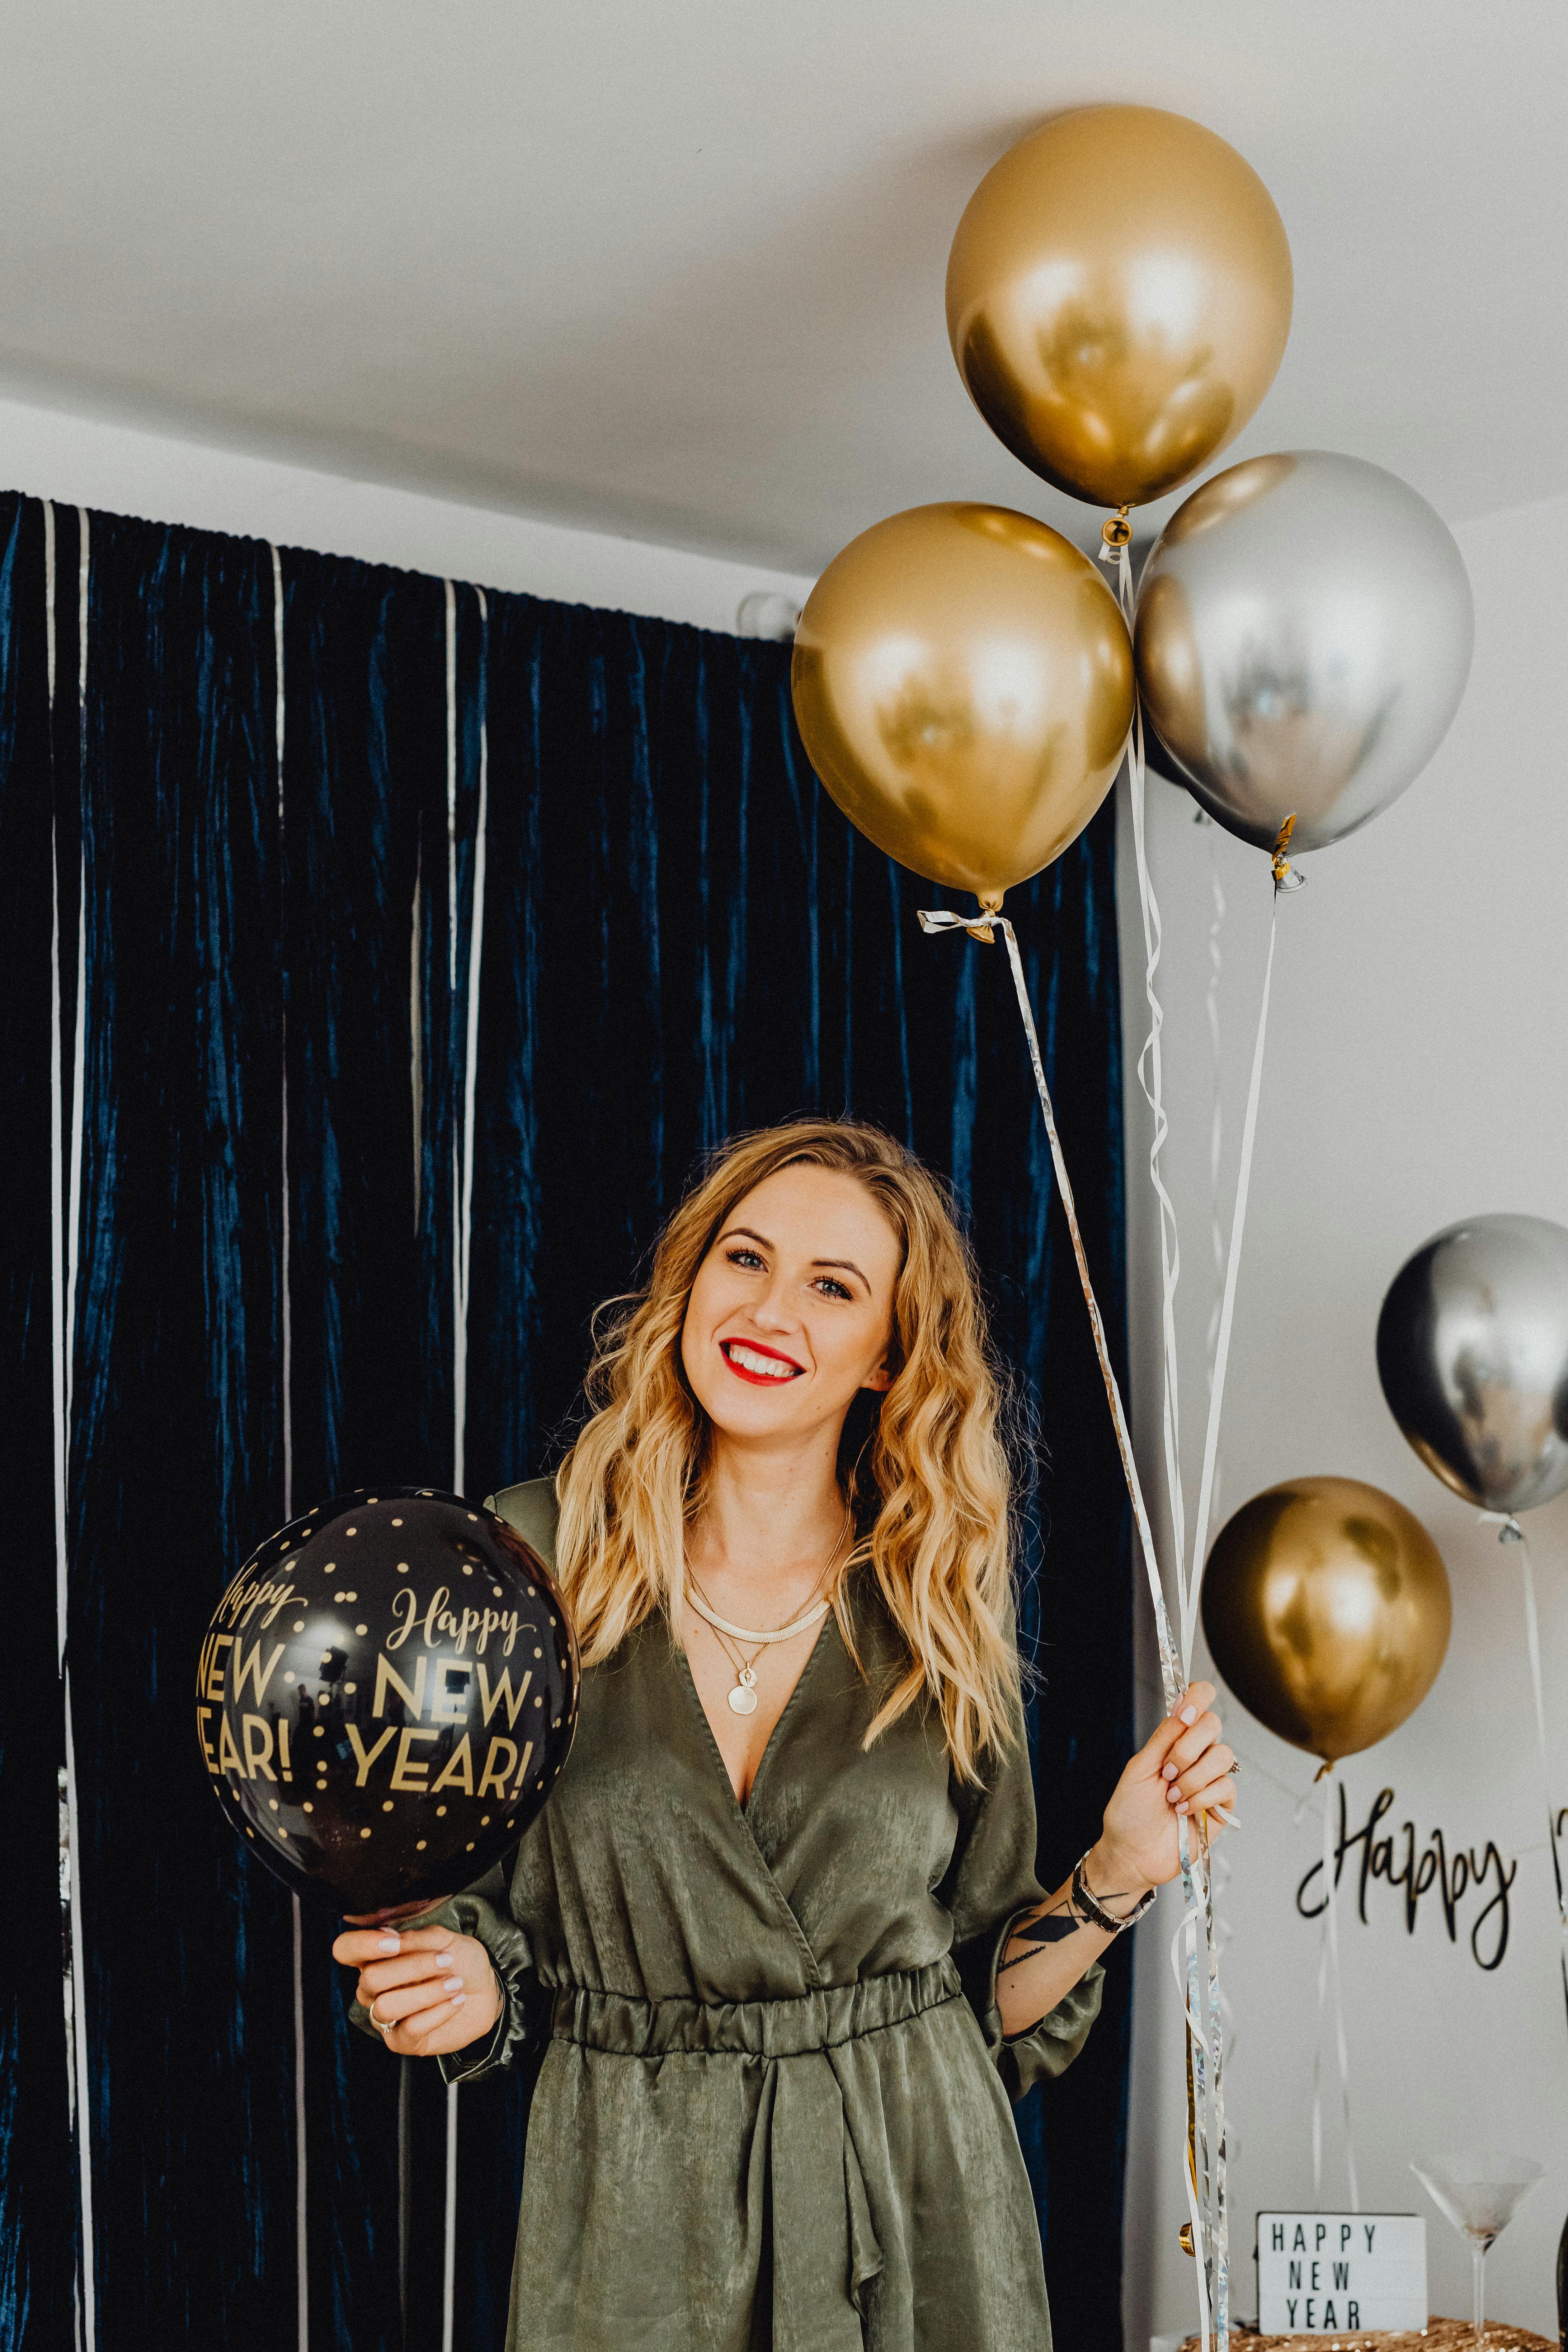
(1193, 1580)
(982, 927)
(1202, 1989)
(1329, 1974)
(1206, 2048)
(1150, 1079)
(1510, 1532)
(1217, 1117)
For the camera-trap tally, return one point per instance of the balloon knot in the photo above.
(1324, 1768)
(1285, 876)
(1115, 531)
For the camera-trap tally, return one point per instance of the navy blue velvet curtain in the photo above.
(342, 1083)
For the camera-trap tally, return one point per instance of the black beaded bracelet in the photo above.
(1095, 1913)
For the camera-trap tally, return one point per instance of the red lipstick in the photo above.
(760, 1379)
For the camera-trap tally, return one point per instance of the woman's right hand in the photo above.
(428, 1991)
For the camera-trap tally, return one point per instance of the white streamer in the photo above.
(416, 1031)
(451, 786)
(471, 1072)
(301, 2180)
(1510, 1532)
(462, 1215)
(65, 1229)
(459, 1380)
(449, 2246)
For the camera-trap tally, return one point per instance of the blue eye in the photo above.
(839, 1289)
(738, 1256)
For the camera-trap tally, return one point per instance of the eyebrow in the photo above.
(846, 1264)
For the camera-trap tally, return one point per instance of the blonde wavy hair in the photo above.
(924, 1466)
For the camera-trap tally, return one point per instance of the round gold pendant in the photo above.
(741, 1700)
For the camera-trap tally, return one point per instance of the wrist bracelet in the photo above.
(1095, 1912)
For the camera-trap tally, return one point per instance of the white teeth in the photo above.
(750, 1361)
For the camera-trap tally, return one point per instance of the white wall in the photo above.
(85, 461)
(1417, 1072)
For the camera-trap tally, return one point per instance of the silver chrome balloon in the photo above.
(1303, 637)
(1472, 1352)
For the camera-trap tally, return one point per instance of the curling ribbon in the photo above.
(1205, 2040)
(1510, 1532)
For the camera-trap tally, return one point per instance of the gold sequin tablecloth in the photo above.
(1438, 2336)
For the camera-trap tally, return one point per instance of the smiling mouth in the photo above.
(761, 1364)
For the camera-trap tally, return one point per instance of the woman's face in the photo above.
(792, 1310)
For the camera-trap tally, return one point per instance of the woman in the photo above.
(780, 1912)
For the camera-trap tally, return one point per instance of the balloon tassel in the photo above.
(1285, 875)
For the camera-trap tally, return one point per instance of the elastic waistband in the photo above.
(629, 2028)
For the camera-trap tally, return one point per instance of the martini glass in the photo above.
(1478, 2188)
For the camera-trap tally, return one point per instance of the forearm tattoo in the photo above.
(1052, 1924)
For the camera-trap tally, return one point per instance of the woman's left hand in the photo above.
(1184, 1768)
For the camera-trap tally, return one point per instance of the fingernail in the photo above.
(457, 2001)
(390, 1944)
(1168, 1770)
(1189, 1715)
(453, 1984)
(1173, 1796)
(1181, 1805)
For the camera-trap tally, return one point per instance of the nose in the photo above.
(772, 1311)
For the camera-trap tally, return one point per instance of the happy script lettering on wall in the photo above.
(1451, 1876)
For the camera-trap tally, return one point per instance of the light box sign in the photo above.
(1329, 2273)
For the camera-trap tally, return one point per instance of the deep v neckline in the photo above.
(742, 1806)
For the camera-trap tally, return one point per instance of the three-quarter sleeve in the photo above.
(990, 1888)
(484, 1912)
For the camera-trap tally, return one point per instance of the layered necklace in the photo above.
(733, 1639)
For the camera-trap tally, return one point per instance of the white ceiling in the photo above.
(674, 268)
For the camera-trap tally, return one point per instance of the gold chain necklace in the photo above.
(743, 1699)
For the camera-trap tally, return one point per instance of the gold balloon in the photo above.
(963, 678)
(1326, 1607)
(1118, 300)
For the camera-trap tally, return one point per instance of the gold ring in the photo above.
(376, 2022)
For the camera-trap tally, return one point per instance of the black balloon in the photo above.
(386, 1696)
